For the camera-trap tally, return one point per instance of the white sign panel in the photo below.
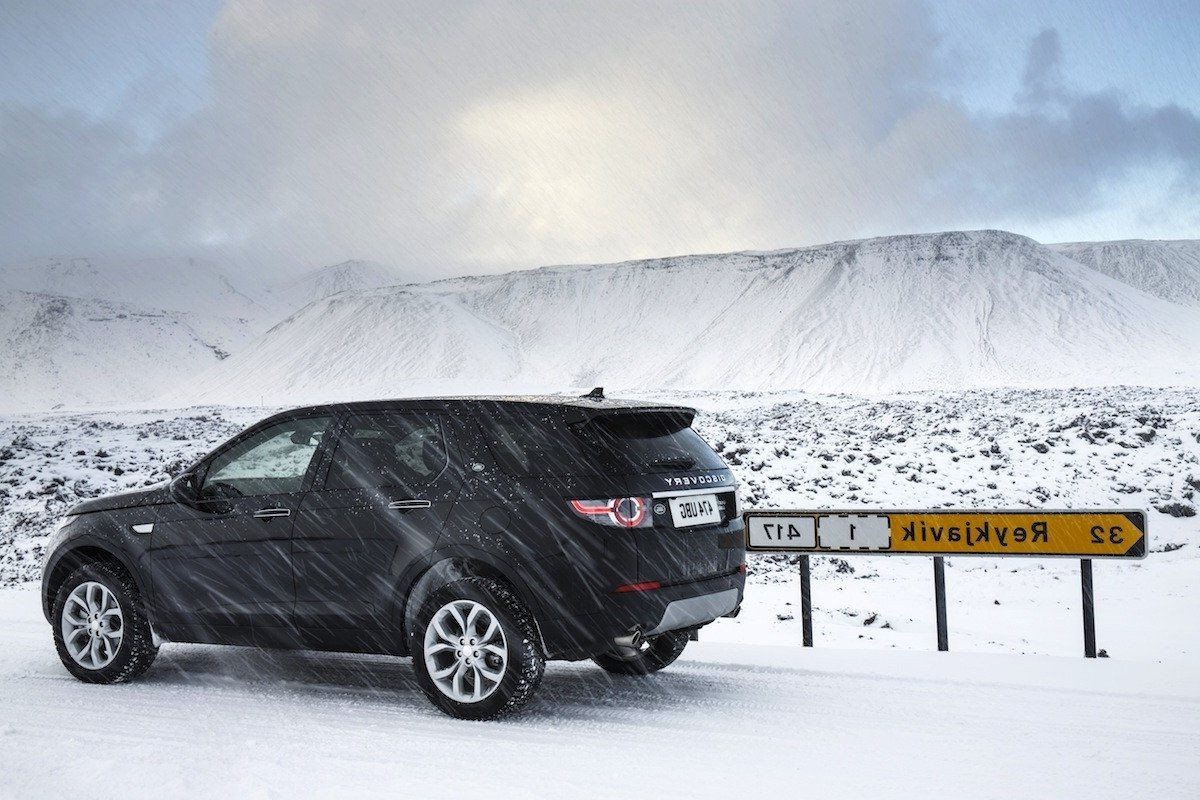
(782, 532)
(855, 532)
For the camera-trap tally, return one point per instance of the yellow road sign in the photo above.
(1077, 534)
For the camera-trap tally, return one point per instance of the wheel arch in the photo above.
(73, 555)
(448, 564)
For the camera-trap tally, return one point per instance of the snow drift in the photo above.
(949, 310)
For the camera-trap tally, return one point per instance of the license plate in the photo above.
(697, 509)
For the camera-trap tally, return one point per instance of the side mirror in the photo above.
(185, 489)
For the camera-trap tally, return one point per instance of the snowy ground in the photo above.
(869, 711)
(726, 721)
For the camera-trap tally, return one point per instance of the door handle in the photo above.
(408, 505)
(268, 513)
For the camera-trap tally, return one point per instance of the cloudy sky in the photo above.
(446, 137)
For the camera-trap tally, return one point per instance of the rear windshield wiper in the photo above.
(679, 462)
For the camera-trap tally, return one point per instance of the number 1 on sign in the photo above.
(860, 532)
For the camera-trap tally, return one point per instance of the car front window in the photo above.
(272, 461)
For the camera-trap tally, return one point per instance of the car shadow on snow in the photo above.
(568, 690)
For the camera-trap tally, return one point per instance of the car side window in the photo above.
(399, 450)
(529, 445)
(272, 461)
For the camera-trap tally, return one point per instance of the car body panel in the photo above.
(225, 570)
(159, 494)
(345, 541)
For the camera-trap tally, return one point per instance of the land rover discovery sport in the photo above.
(481, 536)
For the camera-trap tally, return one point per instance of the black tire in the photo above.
(656, 653)
(136, 651)
(524, 664)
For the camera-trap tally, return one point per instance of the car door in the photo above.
(224, 563)
(386, 493)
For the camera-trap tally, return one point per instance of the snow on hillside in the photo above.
(953, 310)
(960, 309)
(317, 284)
(192, 285)
(67, 351)
(1166, 269)
(84, 331)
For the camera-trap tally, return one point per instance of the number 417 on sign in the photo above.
(797, 532)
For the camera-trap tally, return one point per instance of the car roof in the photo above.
(586, 406)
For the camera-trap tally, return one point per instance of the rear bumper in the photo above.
(674, 607)
(693, 611)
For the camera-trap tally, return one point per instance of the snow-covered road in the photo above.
(728, 720)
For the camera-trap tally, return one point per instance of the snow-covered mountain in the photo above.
(958, 309)
(191, 285)
(1166, 269)
(323, 282)
(94, 330)
(952, 310)
(68, 351)
(88, 330)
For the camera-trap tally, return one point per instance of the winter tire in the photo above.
(100, 627)
(475, 650)
(657, 652)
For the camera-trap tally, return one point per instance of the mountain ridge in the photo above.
(317, 284)
(955, 309)
(960, 308)
(1166, 268)
(185, 284)
(96, 351)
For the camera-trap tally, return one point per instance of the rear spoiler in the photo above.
(576, 415)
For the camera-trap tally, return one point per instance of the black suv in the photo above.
(482, 536)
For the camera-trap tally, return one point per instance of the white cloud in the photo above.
(446, 137)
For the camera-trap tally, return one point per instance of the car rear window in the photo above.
(652, 442)
(542, 444)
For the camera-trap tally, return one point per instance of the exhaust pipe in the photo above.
(632, 640)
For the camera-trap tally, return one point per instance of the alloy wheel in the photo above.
(465, 651)
(92, 625)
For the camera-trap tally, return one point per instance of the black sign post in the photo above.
(939, 601)
(805, 601)
(1089, 610)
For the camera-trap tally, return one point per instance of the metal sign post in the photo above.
(805, 602)
(1027, 533)
(1089, 611)
(939, 602)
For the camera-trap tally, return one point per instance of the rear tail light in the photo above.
(616, 512)
(644, 586)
